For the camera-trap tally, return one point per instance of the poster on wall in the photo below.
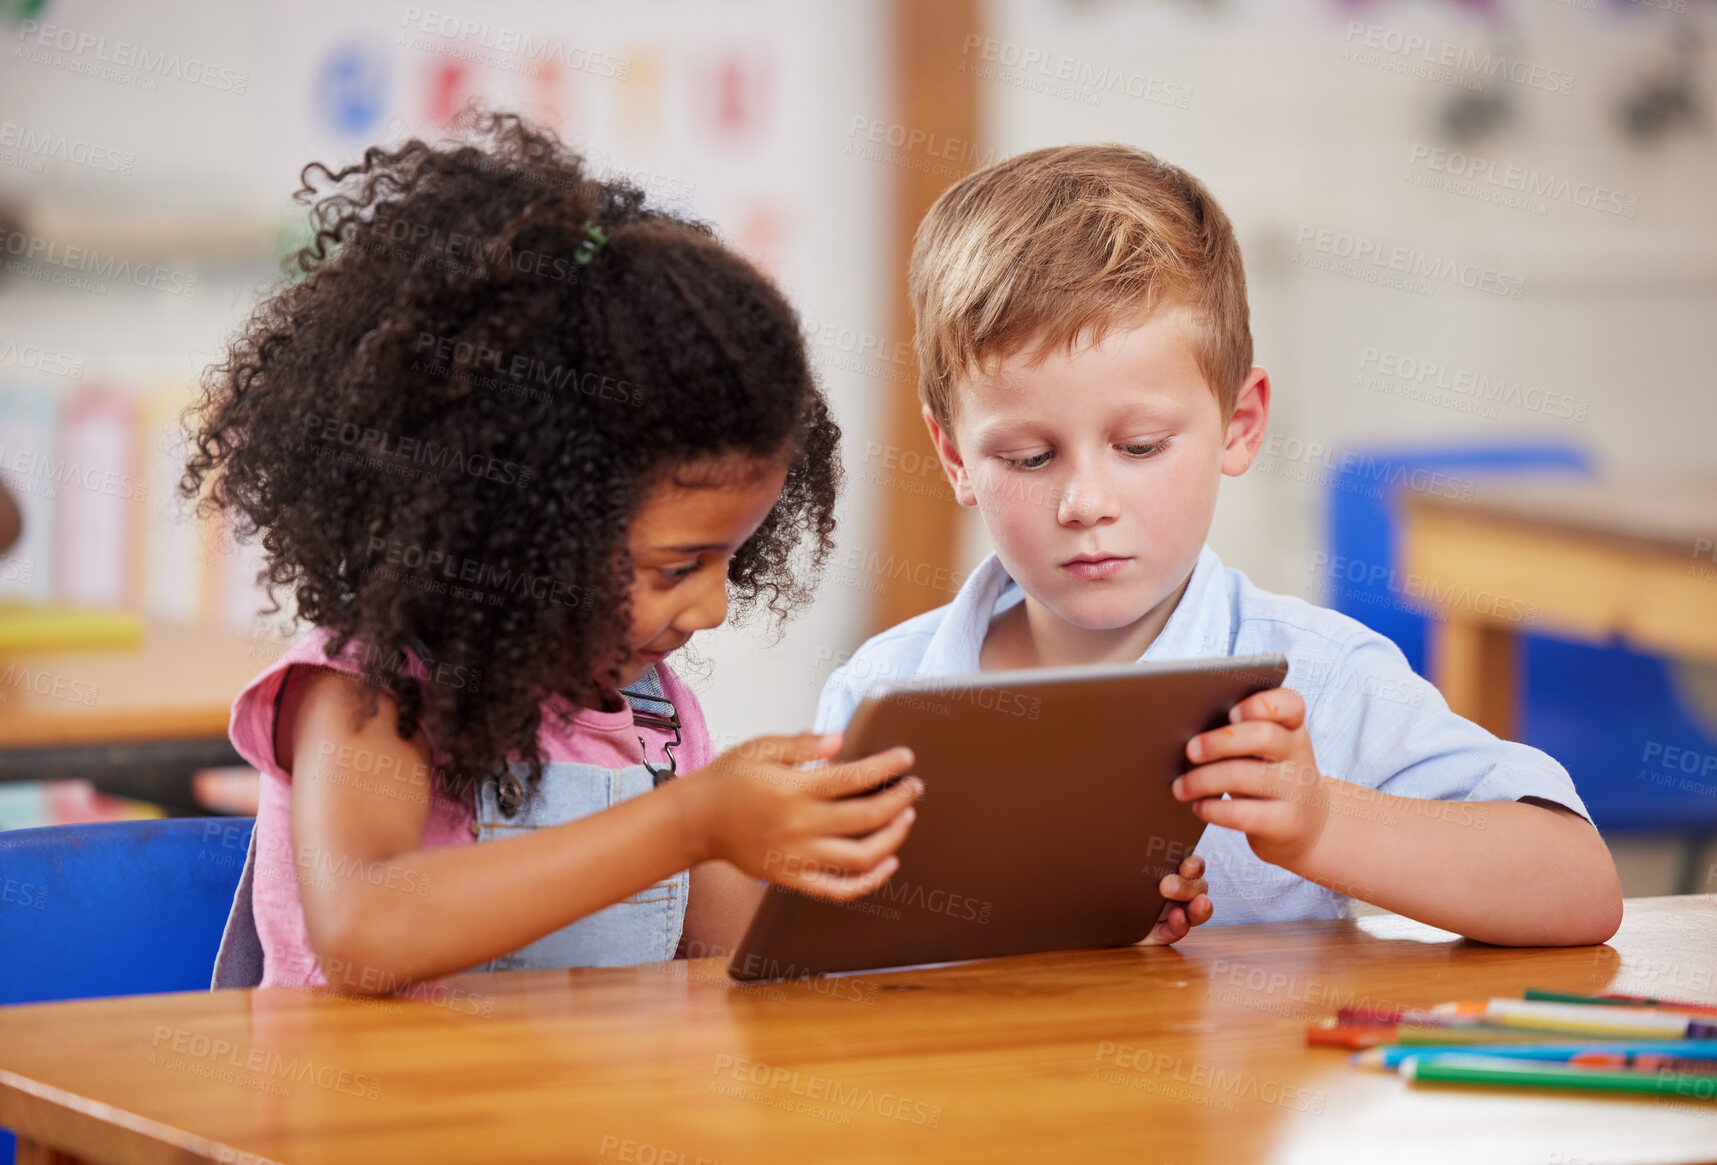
(703, 110)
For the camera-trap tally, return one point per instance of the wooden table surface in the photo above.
(178, 685)
(1673, 516)
(1187, 1054)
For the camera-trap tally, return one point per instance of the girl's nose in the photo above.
(708, 609)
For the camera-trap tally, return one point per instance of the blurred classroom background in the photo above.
(1481, 240)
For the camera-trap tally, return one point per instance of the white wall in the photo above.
(1613, 310)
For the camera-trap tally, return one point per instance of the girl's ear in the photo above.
(1245, 431)
(952, 465)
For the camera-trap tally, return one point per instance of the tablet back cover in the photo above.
(1046, 821)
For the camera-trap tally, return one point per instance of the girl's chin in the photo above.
(632, 671)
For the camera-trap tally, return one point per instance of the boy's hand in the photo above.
(1263, 760)
(754, 807)
(1188, 903)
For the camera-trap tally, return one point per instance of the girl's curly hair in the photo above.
(489, 360)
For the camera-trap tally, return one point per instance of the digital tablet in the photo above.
(1046, 821)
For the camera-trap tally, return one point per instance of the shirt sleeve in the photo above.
(253, 723)
(839, 700)
(1378, 723)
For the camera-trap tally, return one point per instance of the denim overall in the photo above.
(644, 928)
(641, 929)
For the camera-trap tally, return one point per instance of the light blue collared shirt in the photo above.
(1372, 720)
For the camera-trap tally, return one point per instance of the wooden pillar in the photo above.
(29, 1152)
(919, 526)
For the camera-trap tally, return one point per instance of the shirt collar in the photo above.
(1200, 625)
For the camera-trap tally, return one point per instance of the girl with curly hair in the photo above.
(510, 441)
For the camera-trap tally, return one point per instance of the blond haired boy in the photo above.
(1086, 375)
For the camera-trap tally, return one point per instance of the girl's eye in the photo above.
(1144, 450)
(678, 572)
(1035, 461)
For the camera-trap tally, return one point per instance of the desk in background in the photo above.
(137, 721)
(1592, 561)
(1193, 1053)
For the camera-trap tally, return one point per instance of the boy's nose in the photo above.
(1085, 502)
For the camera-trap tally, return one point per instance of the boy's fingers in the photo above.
(1242, 777)
(861, 775)
(1258, 819)
(1263, 738)
(1283, 705)
(1172, 926)
(1181, 889)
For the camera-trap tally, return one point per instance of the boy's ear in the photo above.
(1246, 427)
(952, 465)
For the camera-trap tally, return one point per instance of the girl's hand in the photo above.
(1264, 761)
(1188, 903)
(803, 828)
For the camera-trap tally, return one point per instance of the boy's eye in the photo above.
(1035, 461)
(1145, 449)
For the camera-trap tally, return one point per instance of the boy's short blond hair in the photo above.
(1057, 245)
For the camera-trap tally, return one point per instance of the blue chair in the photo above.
(120, 908)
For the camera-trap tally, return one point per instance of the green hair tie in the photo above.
(593, 240)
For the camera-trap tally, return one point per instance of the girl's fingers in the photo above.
(857, 816)
(848, 855)
(860, 775)
(789, 750)
(850, 867)
(1263, 738)
(1192, 867)
(846, 887)
(1283, 705)
(1200, 911)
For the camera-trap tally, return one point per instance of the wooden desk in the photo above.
(134, 721)
(1589, 561)
(1189, 1054)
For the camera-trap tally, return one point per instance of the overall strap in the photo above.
(651, 708)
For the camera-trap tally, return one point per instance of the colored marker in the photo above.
(1455, 1013)
(1332, 1035)
(1616, 1023)
(1646, 1056)
(1481, 1034)
(1539, 995)
(1651, 1064)
(1487, 1070)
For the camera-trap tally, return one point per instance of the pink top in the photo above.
(584, 735)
